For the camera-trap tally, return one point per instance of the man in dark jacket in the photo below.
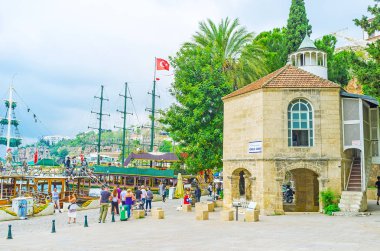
(198, 194)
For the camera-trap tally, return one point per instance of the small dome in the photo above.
(307, 44)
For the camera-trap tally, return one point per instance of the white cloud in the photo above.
(63, 50)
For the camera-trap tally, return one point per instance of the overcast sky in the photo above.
(58, 53)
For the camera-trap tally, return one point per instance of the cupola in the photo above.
(309, 58)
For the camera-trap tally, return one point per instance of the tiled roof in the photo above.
(286, 77)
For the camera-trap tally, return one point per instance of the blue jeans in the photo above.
(128, 208)
(148, 204)
(143, 201)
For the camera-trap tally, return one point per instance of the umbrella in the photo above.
(179, 191)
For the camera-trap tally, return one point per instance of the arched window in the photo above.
(300, 123)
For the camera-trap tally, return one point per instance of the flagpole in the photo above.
(153, 106)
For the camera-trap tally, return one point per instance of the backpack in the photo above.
(149, 195)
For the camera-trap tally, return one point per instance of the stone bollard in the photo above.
(9, 237)
(85, 221)
(218, 203)
(158, 214)
(252, 215)
(186, 208)
(53, 226)
(138, 214)
(227, 215)
(201, 215)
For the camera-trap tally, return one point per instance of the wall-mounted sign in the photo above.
(255, 147)
(356, 143)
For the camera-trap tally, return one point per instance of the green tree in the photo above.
(63, 153)
(339, 63)
(166, 146)
(242, 64)
(196, 119)
(368, 70)
(274, 46)
(298, 25)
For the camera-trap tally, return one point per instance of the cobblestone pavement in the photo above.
(180, 231)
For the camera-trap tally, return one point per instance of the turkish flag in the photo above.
(35, 157)
(162, 64)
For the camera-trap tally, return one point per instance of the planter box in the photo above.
(4, 216)
(49, 210)
(93, 205)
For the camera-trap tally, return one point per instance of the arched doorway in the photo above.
(306, 188)
(241, 185)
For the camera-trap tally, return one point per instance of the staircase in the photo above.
(352, 200)
(355, 180)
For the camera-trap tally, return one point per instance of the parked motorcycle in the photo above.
(288, 194)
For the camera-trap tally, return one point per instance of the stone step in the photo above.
(355, 172)
(352, 193)
(353, 185)
(351, 214)
(352, 198)
(354, 182)
(356, 189)
(349, 202)
(356, 177)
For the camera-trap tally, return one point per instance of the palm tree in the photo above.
(243, 61)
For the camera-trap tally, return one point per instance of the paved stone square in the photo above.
(180, 231)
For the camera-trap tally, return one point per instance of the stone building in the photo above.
(294, 126)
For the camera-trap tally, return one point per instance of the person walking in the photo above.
(209, 189)
(118, 192)
(115, 202)
(55, 198)
(149, 198)
(198, 194)
(143, 196)
(161, 188)
(122, 196)
(72, 210)
(104, 201)
(129, 199)
(165, 193)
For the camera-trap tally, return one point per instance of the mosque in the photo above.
(296, 127)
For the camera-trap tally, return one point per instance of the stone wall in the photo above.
(262, 115)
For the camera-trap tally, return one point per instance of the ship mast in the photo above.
(9, 117)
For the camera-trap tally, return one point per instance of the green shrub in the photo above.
(330, 202)
(331, 208)
(328, 197)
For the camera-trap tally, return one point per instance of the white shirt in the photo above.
(143, 194)
(55, 195)
(122, 195)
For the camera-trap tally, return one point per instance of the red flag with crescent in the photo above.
(162, 64)
(35, 156)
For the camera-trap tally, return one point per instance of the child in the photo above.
(72, 210)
